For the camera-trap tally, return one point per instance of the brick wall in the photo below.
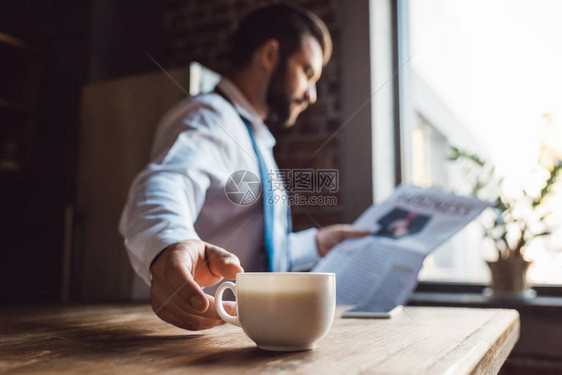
(196, 30)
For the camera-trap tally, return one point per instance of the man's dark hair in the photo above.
(288, 24)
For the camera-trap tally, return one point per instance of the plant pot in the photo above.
(509, 276)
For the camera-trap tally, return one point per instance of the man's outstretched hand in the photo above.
(177, 277)
(185, 267)
(330, 236)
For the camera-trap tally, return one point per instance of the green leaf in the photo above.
(501, 205)
(455, 154)
(476, 159)
(477, 187)
(545, 215)
(547, 233)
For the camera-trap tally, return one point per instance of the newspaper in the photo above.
(378, 272)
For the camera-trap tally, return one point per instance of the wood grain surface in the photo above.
(131, 339)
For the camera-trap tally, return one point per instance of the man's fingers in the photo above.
(161, 302)
(354, 233)
(212, 313)
(222, 263)
(167, 316)
(161, 299)
(230, 307)
(184, 320)
(197, 322)
(176, 294)
(172, 272)
(180, 284)
(163, 296)
(344, 231)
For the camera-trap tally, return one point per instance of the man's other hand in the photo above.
(330, 236)
(177, 277)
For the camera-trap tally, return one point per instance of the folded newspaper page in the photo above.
(378, 272)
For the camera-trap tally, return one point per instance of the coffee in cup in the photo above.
(282, 311)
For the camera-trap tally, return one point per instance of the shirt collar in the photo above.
(245, 109)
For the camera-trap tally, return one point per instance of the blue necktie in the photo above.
(268, 198)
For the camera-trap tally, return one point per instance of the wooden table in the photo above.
(131, 339)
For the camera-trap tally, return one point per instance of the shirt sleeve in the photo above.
(302, 249)
(167, 196)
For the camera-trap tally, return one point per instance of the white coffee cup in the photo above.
(282, 311)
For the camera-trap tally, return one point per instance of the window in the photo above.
(484, 76)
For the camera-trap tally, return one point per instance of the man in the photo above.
(178, 219)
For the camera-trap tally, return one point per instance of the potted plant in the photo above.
(514, 221)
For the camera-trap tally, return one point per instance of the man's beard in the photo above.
(278, 101)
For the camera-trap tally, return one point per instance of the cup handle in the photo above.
(220, 308)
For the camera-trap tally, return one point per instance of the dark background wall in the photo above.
(77, 43)
(32, 201)
(122, 32)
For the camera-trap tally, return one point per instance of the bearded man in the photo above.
(183, 231)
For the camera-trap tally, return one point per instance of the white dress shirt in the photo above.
(180, 195)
